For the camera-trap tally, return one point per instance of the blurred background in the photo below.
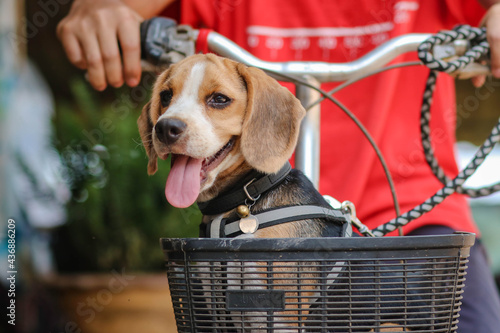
(87, 217)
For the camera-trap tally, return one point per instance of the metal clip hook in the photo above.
(349, 208)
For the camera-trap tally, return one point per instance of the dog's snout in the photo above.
(169, 130)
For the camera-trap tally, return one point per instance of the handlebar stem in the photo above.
(307, 152)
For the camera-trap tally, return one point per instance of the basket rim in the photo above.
(455, 240)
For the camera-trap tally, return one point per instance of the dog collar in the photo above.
(255, 184)
(225, 227)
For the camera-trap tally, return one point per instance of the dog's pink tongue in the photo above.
(183, 182)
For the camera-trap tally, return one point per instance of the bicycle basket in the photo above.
(317, 284)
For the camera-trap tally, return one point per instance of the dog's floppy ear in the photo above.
(146, 131)
(271, 123)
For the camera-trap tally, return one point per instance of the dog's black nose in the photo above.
(169, 130)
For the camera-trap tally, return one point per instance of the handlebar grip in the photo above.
(155, 38)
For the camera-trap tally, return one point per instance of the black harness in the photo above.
(249, 188)
(246, 193)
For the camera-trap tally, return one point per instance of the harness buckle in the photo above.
(349, 208)
(245, 189)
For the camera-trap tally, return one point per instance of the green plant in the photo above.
(117, 213)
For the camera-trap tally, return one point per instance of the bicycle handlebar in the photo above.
(169, 43)
(163, 42)
(321, 71)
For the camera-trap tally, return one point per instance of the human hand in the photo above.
(90, 35)
(492, 23)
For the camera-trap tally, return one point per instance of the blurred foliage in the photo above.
(477, 109)
(117, 213)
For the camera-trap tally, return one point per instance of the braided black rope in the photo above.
(477, 36)
(480, 49)
(449, 189)
(477, 51)
(430, 157)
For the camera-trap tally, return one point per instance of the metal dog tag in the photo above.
(249, 224)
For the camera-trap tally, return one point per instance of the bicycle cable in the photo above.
(360, 126)
(361, 77)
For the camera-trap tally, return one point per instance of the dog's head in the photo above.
(216, 117)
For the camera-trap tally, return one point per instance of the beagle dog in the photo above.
(225, 125)
(230, 130)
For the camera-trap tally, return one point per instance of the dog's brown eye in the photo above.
(219, 101)
(166, 97)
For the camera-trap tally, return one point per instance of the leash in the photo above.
(479, 50)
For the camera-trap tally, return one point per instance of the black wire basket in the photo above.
(318, 284)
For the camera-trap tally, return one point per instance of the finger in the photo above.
(95, 69)
(129, 36)
(493, 36)
(111, 57)
(72, 48)
(478, 81)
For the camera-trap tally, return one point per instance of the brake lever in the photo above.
(163, 43)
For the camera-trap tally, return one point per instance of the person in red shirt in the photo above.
(338, 31)
(388, 104)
